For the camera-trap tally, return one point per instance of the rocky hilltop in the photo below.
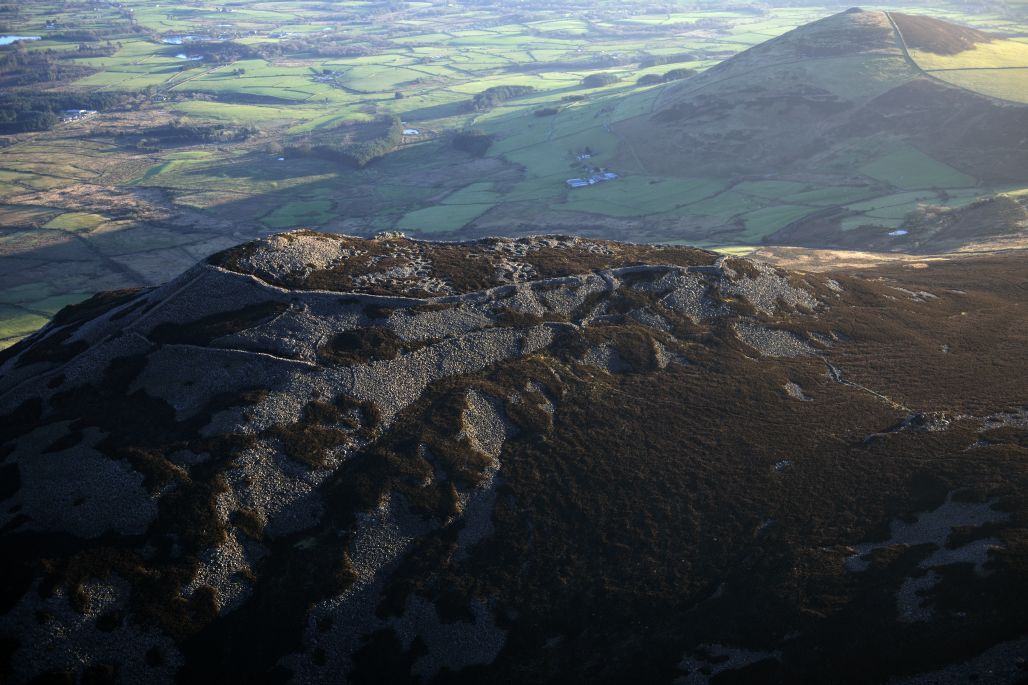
(317, 458)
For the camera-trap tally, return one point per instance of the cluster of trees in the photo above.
(93, 35)
(599, 80)
(107, 49)
(593, 62)
(17, 119)
(490, 97)
(317, 43)
(473, 141)
(657, 60)
(322, 44)
(182, 132)
(336, 50)
(338, 146)
(21, 67)
(673, 75)
(223, 52)
(23, 112)
(364, 152)
(605, 62)
(234, 97)
(546, 111)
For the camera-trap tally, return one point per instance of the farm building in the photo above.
(600, 177)
(76, 114)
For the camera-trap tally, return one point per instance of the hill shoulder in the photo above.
(937, 36)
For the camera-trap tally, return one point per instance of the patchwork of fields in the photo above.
(96, 203)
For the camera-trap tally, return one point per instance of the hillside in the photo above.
(937, 36)
(968, 58)
(837, 93)
(547, 459)
(839, 102)
(202, 130)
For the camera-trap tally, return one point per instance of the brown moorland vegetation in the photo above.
(935, 35)
(693, 460)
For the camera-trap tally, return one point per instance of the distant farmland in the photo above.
(100, 203)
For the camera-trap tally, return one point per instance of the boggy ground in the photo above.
(535, 460)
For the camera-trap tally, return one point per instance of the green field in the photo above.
(1008, 83)
(304, 213)
(640, 195)
(441, 218)
(16, 323)
(75, 221)
(908, 167)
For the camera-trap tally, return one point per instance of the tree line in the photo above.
(491, 97)
(666, 77)
(21, 112)
(21, 67)
(184, 132)
(338, 146)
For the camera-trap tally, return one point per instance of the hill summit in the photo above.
(840, 101)
(316, 457)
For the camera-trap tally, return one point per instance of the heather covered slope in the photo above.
(545, 459)
(937, 36)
